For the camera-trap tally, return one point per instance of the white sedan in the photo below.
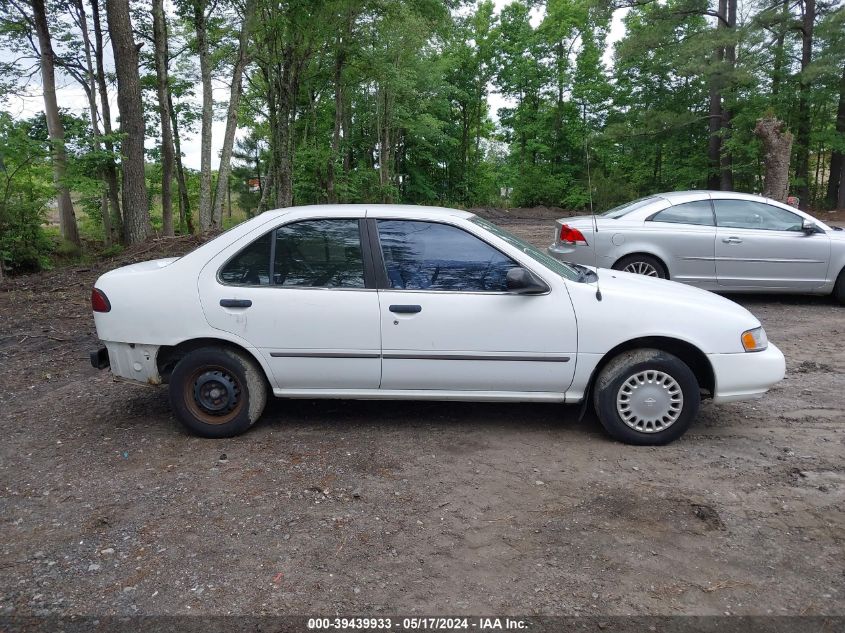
(400, 302)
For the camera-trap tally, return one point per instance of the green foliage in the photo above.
(25, 191)
(389, 101)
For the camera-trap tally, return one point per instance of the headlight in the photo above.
(755, 340)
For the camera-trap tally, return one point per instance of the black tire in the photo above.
(217, 392)
(644, 262)
(641, 362)
(839, 288)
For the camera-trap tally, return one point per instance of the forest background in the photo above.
(450, 103)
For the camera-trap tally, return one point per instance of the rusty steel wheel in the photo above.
(217, 392)
(213, 395)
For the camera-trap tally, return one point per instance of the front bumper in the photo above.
(746, 375)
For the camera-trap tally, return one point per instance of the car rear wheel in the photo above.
(642, 265)
(217, 392)
(646, 397)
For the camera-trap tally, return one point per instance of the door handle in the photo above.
(405, 309)
(235, 303)
(732, 240)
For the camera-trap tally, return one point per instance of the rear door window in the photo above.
(319, 254)
(251, 266)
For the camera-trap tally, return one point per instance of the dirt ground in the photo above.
(376, 508)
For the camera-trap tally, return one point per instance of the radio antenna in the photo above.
(592, 210)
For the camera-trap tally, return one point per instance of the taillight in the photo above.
(99, 301)
(571, 235)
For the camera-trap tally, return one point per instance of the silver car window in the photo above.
(747, 214)
(698, 212)
(628, 207)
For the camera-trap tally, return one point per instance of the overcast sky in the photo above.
(71, 96)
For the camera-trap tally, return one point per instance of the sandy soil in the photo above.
(108, 507)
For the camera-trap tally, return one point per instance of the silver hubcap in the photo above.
(650, 401)
(641, 268)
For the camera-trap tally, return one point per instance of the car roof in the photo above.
(659, 201)
(700, 194)
(372, 211)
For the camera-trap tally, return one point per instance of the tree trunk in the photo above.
(714, 144)
(348, 155)
(91, 93)
(777, 145)
(286, 87)
(265, 192)
(835, 183)
(840, 198)
(136, 213)
(339, 61)
(163, 90)
(55, 129)
(232, 116)
(384, 147)
(186, 220)
(802, 168)
(726, 180)
(780, 54)
(105, 109)
(207, 112)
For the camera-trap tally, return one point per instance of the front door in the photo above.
(298, 294)
(684, 234)
(760, 245)
(448, 322)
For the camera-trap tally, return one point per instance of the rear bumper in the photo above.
(579, 254)
(747, 375)
(129, 360)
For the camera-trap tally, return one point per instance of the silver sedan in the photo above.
(716, 240)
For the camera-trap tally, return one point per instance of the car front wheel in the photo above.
(217, 392)
(642, 265)
(646, 397)
(839, 288)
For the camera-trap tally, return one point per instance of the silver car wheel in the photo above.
(650, 401)
(641, 268)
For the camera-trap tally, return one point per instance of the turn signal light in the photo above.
(99, 301)
(755, 340)
(571, 235)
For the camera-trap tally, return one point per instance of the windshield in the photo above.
(625, 209)
(564, 270)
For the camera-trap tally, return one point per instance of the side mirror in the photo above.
(809, 227)
(523, 282)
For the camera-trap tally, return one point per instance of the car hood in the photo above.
(635, 306)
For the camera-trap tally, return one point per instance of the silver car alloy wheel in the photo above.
(650, 401)
(641, 268)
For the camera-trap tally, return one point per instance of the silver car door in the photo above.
(683, 235)
(759, 245)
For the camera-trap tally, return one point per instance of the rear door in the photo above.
(759, 245)
(448, 322)
(299, 294)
